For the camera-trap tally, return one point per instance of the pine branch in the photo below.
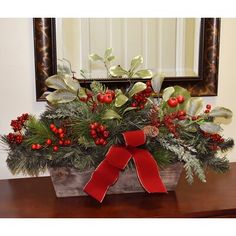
(220, 165)
(227, 145)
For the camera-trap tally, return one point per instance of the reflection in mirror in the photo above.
(168, 45)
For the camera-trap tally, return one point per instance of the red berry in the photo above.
(97, 141)
(172, 102)
(49, 142)
(93, 132)
(60, 131)
(148, 83)
(102, 128)
(207, 111)
(111, 92)
(38, 146)
(61, 142)
(194, 118)
(95, 125)
(181, 113)
(33, 146)
(62, 135)
(107, 98)
(208, 106)
(52, 126)
(134, 104)
(55, 148)
(100, 97)
(182, 117)
(106, 134)
(180, 98)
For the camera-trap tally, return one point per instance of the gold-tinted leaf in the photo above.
(167, 93)
(144, 74)
(95, 57)
(221, 112)
(82, 93)
(111, 58)
(111, 114)
(61, 96)
(210, 127)
(72, 83)
(121, 99)
(136, 62)
(117, 71)
(156, 82)
(194, 106)
(129, 109)
(138, 87)
(107, 53)
(56, 82)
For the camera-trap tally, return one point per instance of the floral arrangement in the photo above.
(81, 124)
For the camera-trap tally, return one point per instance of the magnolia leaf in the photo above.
(167, 93)
(61, 96)
(144, 74)
(117, 71)
(136, 62)
(107, 53)
(117, 92)
(129, 109)
(221, 112)
(72, 83)
(156, 82)
(56, 82)
(111, 58)
(210, 127)
(193, 106)
(121, 99)
(111, 114)
(95, 57)
(138, 87)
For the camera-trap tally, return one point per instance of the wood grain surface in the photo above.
(35, 197)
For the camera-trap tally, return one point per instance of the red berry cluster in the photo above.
(208, 108)
(15, 138)
(18, 124)
(60, 133)
(99, 133)
(174, 101)
(107, 97)
(141, 97)
(215, 140)
(168, 121)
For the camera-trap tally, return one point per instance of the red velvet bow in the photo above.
(117, 159)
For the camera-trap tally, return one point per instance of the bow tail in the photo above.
(147, 171)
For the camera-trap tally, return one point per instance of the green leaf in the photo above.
(121, 99)
(136, 62)
(138, 87)
(210, 127)
(111, 114)
(144, 74)
(72, 83)
(61, 96)
(221, 112)
(111, 58)
(117, 71)
(129, 109)
(95, 57)
(167, 93)
(107, 53)
(56, 82)
(193, 106)
(156, 82)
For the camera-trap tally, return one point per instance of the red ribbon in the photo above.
(117, 159)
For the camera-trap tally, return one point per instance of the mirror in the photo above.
(168, 45)
(201, 82)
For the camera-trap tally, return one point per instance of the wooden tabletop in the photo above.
(35, 197)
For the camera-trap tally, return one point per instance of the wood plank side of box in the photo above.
(69, 182)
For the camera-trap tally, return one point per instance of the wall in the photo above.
(17, 90)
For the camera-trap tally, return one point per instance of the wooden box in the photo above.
(70, 182)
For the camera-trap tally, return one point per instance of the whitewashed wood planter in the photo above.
(69, 182)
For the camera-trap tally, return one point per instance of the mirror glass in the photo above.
(168, 45)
